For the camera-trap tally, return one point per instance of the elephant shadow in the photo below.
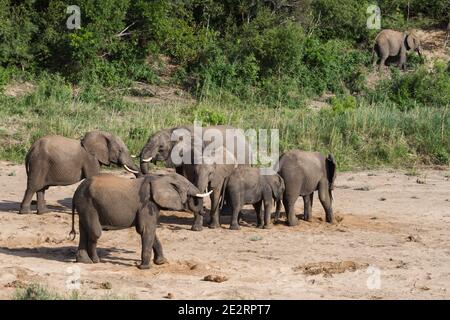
(67, 254)
(14, 206)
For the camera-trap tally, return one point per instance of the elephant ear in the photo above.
(410, 42)
(277, 186)
(96, 143)
(168, 193)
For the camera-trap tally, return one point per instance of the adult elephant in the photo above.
(108, 202)
(59, 161)
(303, 173)
(160, 145)
(395, 43)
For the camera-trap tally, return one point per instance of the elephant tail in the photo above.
(224, 188)
(73, 233)
(27, 162)
(331, 173)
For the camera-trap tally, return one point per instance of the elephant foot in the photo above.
(196, 228)
(43, 210)
(144, 266)
(307, 218)
(95, 259)
(160, 260)
(293, 222)
(234, 227)
(25, 210)
(260, 226)
(214, 225)
(329, 219)
(268, 226)
(82, 257)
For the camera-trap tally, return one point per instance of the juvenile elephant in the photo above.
(107, 202)
(303, 173)
(246, 185)
(395, 43)
(59, 161)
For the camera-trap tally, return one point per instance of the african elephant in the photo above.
(210, 174)
(393, 43)
(303, 173)
(246, 185)
(160, 145)
(108, 202)
(59, 161)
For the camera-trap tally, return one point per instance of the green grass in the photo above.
(36, 291)
(363, 136)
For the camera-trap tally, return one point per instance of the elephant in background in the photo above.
(395, 43)
(246, 185)
(60, 161)
(108, 202)
(303, 173)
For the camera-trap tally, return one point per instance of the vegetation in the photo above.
(36, 291)
(252, 64)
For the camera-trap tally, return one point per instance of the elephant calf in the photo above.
(303, 173)
(107, 202)
(59, 161)
(247, 186)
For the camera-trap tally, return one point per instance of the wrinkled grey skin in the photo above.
(59, 161)
(395, 43)
(159, 148)
(303, 173)
(108, 202)
(447, 36)
(247, 186)
(211, 176)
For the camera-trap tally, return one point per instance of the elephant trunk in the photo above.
(127, 163)
(146, 158)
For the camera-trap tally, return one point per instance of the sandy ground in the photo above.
(391, 241)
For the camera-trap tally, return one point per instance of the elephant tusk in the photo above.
(134, 156)
(130, 170)
(147, 160)
(203, 195)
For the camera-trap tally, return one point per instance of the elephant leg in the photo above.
(41, 206)
(307, 202)
(215, 197)
(198, 223)
(236, 209)
(94, 234)
(147, 239)
(82, 254)
(278, 211)
(25, 206)
(158, 252)
(267, 213)
(259, 216)
(325, 200)
(289, 204)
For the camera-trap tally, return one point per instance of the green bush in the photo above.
(421, 87)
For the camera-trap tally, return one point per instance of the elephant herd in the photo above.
(108, 202)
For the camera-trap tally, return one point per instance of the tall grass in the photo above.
(364, 136)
